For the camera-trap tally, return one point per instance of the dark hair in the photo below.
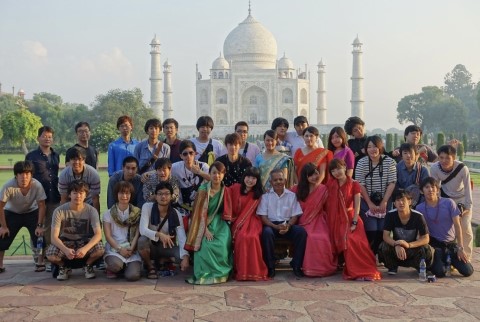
(448, 149)
(241, 123)
(311, 129)
(154, 123)
(129, 159)
(411, 128)
(43, 129)
(257, 189)
(279, 121)
(80, 124)
(219, 166)
(300, 119)
(232, 138)
(163, 162)
(123, 186)
(399, 193)
(303, 186)
(336, 164)
(123, 119)
(351, 122)
(377, 141)
(170, 121)
(340, 132)
(186, 144)
(431, 181)
(407, 147)
(270, 133)
(23, 166)
(76, 153)
(204, 121)
(78, 186)
(164, 185)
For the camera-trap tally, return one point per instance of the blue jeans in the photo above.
(440, 260)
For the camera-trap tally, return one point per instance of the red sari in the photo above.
(318, 157)
(319, 257)
(359, 259)
(241, 210)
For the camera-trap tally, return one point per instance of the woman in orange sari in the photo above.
(240, 203)
(319, 257)
(346, 227)
(311, 153)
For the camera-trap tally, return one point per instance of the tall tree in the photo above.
(413, 108)
(102, 135)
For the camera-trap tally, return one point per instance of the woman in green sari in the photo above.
(209, 236)
(271, 159)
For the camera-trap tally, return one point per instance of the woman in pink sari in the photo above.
(240, 203)
(346, 226)
(319, 257)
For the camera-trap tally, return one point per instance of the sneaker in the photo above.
(101, 265)
(48, 267)
(89, 273)
(62, 273)
(393, 271)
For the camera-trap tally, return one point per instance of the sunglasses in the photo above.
(186, 153)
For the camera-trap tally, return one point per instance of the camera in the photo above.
(461, 207)
(376, 198)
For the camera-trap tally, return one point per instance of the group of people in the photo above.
(224, 207)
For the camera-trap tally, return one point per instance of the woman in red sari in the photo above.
(319, 257)
(346, 227)
(311, 153)
(240, 207)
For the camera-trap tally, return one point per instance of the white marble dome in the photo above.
(220, 63)
(251, 45)
(285, 63)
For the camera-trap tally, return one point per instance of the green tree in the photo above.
(107, 108)
(389, 142)
(396, 142)
(465, 142)
(20, 126)
(440, 139)
(414, 108)
(8, 103)
(102, 135)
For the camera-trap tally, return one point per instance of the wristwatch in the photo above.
(118, 249)
(39, 225)
(354, 222)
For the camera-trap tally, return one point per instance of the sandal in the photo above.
(2, 269)
(40, 268)
(152, 274)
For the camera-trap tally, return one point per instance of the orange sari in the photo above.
(318, 157)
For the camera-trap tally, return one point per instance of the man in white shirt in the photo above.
(279, 211)
(300, 123)
(205, 146)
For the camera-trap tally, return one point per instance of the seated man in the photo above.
(279, 211)
(76, 233)
(409, 243)
(163, 168)
(161, 230)
(22, 204)
(129, 174)
(442, 217)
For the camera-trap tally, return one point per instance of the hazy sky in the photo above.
(80, 49)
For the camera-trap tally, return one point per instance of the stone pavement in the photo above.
(29, 296)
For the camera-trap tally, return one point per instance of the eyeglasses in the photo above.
(83, 131)
(186, 153)
(242, 132)
(163, 194)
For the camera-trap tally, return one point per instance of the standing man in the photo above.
(129, 174)
(46, 162)
(170, 128)
(207, 149)
(280, 126)
(247, 149)
(300, 123)
(79, 170)
(122, 147)
(235, 163)
(82, 130)
(455, 184)
(279, 211)
(413, 135)
(151, 148)
(22, 204)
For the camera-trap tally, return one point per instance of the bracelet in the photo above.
(354, 222)
(39, 225)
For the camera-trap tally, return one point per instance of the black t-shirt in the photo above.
(234, 171)
(415, 226)
(91, 152)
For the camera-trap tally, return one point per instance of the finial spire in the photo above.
(249, 8)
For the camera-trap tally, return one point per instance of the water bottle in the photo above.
(448, 265)
(422, 274)
(40, 245)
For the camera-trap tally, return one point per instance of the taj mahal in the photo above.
(248, 82)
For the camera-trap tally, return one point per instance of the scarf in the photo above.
(172, 218)
(131, 222)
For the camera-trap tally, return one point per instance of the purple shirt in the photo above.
(347, 155)
(440, 219)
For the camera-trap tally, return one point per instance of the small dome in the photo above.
(356, 42)
(155, 41)
(220, 63)
(285, 63)
(166, 64)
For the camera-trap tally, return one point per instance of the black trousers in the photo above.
(296, 234)
(15, 222)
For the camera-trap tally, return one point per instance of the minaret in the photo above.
(156, 78)
(357, 100)
(321, 95)
(167, 91)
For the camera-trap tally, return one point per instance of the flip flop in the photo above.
(39, 268)
(2, 270)
(152, 274)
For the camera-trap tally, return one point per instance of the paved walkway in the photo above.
(29, 296)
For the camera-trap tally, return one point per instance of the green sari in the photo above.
(212, 260)
(279, 161)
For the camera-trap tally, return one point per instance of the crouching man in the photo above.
(162, 232)
(76, 233)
